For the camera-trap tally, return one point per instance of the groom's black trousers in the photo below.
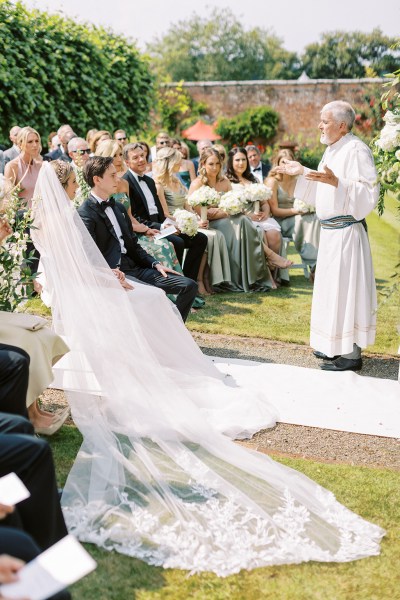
(31, 459)
(185, 288)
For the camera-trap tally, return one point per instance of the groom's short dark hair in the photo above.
(96, 166)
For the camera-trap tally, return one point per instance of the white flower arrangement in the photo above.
(302, 207)
(389, 138)
(233, 202)
(186, 221)
(258, 192)
(204, 196)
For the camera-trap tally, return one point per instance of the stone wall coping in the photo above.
(275, 82)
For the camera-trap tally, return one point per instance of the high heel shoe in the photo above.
(275, 260)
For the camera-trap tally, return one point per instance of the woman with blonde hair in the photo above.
(186, 172)
(162, 249)
(173, 195)
(97, 138)
(24, 169)
(247, 262)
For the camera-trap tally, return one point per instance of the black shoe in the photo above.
(319, 354)
(342, 364)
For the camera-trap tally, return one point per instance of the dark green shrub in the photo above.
(54, 71)
(259, 124)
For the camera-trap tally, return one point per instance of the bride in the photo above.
(155, 477)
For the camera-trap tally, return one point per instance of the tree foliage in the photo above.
(177, 109)
(219, 48)
(259, 123)
(342, 54)
(54, 71)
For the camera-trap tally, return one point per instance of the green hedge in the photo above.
(253, 123)
(54, 71)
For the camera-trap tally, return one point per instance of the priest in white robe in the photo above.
(344, 191)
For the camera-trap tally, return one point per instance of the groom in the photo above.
(110, 226)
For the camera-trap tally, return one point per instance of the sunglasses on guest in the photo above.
(86, 151)
(163, 142)
(121, 139)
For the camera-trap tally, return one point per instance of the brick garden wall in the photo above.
(297, 102)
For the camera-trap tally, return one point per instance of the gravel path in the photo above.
(294, 440)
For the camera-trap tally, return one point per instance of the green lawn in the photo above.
(372, 493)
(284, 314)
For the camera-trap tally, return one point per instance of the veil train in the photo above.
(153, 479)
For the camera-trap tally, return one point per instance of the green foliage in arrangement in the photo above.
(54, 71)
(259, 123)
(219, 48)
(15, 257)
(347, 54)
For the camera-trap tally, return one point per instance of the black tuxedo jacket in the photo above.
(139, 206)
(103, 233)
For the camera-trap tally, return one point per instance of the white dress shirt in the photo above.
(110, 214)
(151, 205)
(258, 174)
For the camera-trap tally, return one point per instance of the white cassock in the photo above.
(344, 301)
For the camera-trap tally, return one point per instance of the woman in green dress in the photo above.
(214, 269)
(162, 250)
(249, 271)
(186, 172)
(303, 228)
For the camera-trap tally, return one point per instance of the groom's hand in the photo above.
(165, 270)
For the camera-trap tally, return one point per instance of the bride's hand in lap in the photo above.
(126, 285)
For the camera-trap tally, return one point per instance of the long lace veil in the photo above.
(153, 479)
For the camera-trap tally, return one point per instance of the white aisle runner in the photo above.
(342, 401)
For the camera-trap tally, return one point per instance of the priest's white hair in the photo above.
(342, 112)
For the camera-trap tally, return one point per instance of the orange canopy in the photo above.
(201, 131)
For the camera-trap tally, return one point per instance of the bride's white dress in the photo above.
(155, 478)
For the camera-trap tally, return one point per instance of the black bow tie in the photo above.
(106, 203)
(257, 169)
(140, 178)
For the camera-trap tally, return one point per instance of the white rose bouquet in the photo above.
(302, 207)
(233, 202)
(186, 222)
(204, 197)
(256, 193)
(386, 150)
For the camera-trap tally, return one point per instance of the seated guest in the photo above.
(89, 135)
(239, 174)
(97, 138)
(78, 151)
(259, 169)
(146, 208)
(201, 145)
(245, 244)
(186, 170)
(36, 523)
(120, 136)
(162, 250)
(12, 152)
(304, 228)
(65, 133)
(149, 160)
(111, 229)
(162, 140)
(222, 152)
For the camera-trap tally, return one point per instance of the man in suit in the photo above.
(14, 150)
(65, 134)
(7, 155)
(259, 169)
(146, 208)
(111, 228)
(200, 145)
(37, 522)
(14, 378)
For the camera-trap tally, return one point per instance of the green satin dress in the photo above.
(161, 250)
(217, 251)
